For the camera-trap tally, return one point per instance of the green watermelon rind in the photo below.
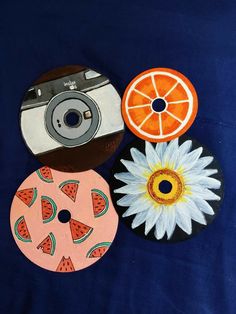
(98, 245)
(54, 207)
(34, 197)
(66, 182)
(53, 239)
(42, 177)
(16, 231)
(103, 212)
(80, 240)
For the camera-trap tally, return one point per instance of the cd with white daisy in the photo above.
(167, 191)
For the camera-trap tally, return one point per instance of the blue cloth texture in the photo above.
(121, 39)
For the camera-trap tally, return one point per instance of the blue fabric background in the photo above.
(121, 39)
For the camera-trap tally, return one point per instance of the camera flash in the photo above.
(87, 114)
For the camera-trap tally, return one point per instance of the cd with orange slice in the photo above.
(159, 105)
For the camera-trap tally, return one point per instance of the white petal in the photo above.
(127, 177)
(209, 172)
(174, 156)
(151, 155)
(202, 205)
(137, 188)
(183, 218)
(152, 217)
(132, 210)
(185, 148)
(204, 172)
(127, 200)
(210, 183)
(191, 179)
(173, 161)
(160, 228)
(191, 159)
(171, 221)
(160, 149)
(139, 219)
(138, 157)
(136, 170)
(204, 193)
(195, 213)
(203, 162)
(140, 204)
(206, 182)
(172, 149)
(182, 151)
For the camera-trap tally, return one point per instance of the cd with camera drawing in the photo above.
(66, 119)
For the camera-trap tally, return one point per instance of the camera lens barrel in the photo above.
(58, 110)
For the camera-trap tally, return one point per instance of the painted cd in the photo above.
(159, 105)
(63, 222)
(167, 191)
(66, 119)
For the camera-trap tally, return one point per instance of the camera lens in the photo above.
(73, 118)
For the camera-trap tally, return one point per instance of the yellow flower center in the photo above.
(175, 186)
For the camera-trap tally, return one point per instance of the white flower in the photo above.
(167, 186)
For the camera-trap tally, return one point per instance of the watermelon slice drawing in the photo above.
(70, 188)
(79, 231)
(48, 245)
(27, 196)
(45, 174)
(98, 250)
(65, 265)
(100, 203)
(21, 230)
(49, 209)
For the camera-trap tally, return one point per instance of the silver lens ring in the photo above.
(88, 118)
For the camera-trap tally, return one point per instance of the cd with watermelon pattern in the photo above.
(61, 221)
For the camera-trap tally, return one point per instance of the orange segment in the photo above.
(163, 93)
(177, 94)
(146, 87)
(139, 114)
(164, 84)
(151, 125)
(180, 110)
(169, 124)
(137, 99)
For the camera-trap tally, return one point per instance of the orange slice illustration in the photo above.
(159, 105)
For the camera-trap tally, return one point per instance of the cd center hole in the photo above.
(72, 118)
(165, 187)
(159, 105)
(64, 216)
